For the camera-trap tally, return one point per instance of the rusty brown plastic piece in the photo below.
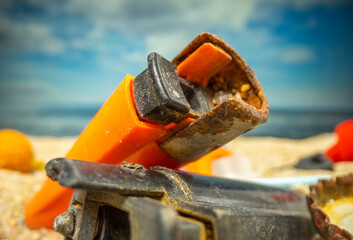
(321, 194)
(238, 100)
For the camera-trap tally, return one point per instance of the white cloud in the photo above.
(289, 54)
(159, 22)
(155, 16)
(169, 43)
(304, 4)
(26, 91)
(310, 98)
(307, 4)
(158, 16)
(135, 57)
(28, 36)
(165, 26)
(297, 54)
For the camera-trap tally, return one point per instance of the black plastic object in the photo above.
(131, 202)
(317, 161)
(159, 96)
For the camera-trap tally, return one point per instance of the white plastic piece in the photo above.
(236, 167)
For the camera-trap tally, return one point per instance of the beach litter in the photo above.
(15, 151)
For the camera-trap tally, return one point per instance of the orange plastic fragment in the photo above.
(204, 164)
(343, 149)
(203, 63)
(113, 134)
(151, 155)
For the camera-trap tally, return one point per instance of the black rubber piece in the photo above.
(317, 161)
(158, 94)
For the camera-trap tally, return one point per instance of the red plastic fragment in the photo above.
(343, 149)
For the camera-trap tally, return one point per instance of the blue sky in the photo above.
(68, 53)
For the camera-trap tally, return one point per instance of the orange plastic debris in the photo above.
(116, 134)
(343, 149)
(15, 151)
(152, 155)
(113, 134)
(202, 64)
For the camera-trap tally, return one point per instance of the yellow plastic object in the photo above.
(37, 164)
(340, 212)
(15, 151)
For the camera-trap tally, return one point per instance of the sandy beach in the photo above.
(269, 157)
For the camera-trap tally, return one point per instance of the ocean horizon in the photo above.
(71, 120)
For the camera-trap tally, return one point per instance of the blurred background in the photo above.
(60, 60)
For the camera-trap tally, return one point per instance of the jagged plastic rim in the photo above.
(322, 193)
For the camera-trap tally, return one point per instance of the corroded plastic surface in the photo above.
(244, 108)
